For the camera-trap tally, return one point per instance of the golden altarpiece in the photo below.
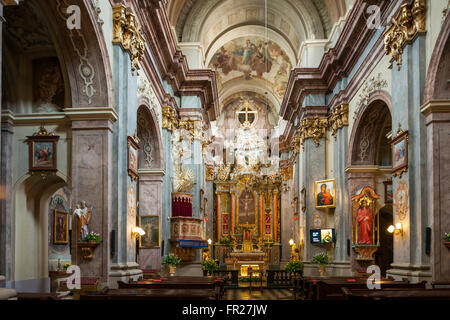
(248, 215)
(247, 201)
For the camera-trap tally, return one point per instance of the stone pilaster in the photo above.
(124, 263)
(91, 182)
(150, 202)
(437, 115)
(410, 259)
(6, 194)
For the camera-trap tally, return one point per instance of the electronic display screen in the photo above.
(322, 235)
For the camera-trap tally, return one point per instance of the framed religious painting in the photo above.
(400, 153)
(325, 191)
(151, 224)
(60, 227)
(42, 151)
(133, 148)
(388, 192)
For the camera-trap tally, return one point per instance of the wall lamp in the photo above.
(137, 232)
(291, 242)
(397, 229)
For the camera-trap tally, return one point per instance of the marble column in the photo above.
(287, 220)
(124, 265)
(166, 212)
(342, 223)
(313, 167)
(410, 259)
(438, 183)
(6, 194)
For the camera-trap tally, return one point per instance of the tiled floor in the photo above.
(266, 294)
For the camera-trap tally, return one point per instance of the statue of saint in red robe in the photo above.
(365, 220)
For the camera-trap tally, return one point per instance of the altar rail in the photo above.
(281, 278)
(230, 277)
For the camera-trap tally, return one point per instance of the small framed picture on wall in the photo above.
(133, 148)
(400, 153)
(151, 224)
(388, 192)
(325, 193)
(60, 227)
(43, 151)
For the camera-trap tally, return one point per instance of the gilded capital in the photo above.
(127, 32)
(405, 26)
(338, 118)
(313, 128)
(170, 119)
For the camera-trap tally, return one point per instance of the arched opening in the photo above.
(370, 164)
(149, 190)
(33, 244)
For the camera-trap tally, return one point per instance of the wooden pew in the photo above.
(307, 288)
(413, 294)
(150, 294)
(191, 283)
(330, 289)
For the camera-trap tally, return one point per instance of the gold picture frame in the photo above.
(255, 197)
(322, 197)
(133, 157)
(148, 223)
(399, 149)
(60, 227)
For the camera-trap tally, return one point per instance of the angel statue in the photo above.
(83, 214)
(183, 179)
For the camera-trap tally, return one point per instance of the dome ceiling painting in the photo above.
(251, 58)
(252, 44)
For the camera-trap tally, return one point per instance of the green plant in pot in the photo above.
(321, 260)
(295, 266)
(172, 261)
(209, 266)
(446, 239)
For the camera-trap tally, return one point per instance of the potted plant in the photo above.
(209, 266)
(92, 237)
(172, 261)
(88, 244)
(294, 267)
(446, 239)
(66, 266)
(322, 260)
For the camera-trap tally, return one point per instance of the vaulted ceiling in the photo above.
(236, 43)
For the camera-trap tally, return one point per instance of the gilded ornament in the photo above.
(338, 118)
(313, 128)
(127, 32)
(409, 22)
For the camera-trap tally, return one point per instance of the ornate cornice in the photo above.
(313, 128)
(406, 25)
(127, 32)
(170, 61)
(338, 118)
(170, 119)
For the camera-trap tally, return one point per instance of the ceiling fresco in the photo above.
(251, 58)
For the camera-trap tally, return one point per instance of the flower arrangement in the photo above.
(92, 237)
(171, 260)
(225, 241)
(210, 266)
(66, 265)
(294, 266)
(446, 237)
(321, 258)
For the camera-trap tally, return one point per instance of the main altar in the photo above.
(248, 218)
(247, 202)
